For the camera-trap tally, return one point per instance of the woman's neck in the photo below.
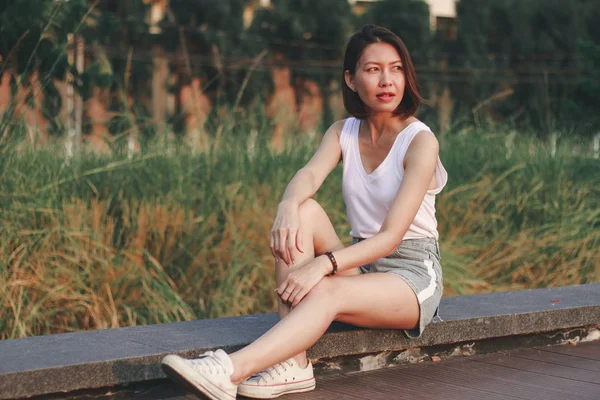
(378, 126)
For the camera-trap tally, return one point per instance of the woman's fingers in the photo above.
(285, 255)
(299, 242)
(285, 292)
(298, 298)
(276, 245)
(291, 244)
(284, 242)
(292, 291)
(272, 244)
(288, 287)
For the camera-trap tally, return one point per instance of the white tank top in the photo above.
(368, 197)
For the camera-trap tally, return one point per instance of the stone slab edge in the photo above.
(335, 343)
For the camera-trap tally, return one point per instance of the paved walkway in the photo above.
(544, 373)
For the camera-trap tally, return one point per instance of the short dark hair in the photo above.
(356, 45)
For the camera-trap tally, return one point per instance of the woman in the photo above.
(391, 276)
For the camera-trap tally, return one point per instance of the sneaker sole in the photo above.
(177, 370)
(271, 392)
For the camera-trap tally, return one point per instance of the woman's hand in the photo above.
(301, 281)
(286, 233)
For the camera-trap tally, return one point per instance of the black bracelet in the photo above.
(333, 262)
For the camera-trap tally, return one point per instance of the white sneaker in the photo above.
(283, 378)
(208, 375)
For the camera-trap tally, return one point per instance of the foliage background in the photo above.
(97, 241)
(543, 49)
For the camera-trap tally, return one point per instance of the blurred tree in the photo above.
(311, 37)
(305, 30)
(409, 19)
(214, 33)
(533, 49)
(33, 54)
(529, 46)
(583, 107)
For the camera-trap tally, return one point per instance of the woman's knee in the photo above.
(326, 291)
(316, 222)
(310, 209)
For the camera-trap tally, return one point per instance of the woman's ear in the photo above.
(349, 80)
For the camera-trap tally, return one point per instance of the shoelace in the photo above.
(208, 362)
(277, 369)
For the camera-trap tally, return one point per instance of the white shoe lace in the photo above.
(208, 362)
(277, 369)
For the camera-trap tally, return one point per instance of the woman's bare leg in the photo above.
(372, 300)
(319, 236)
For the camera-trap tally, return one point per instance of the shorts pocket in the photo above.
(410, 254)
(433, 255)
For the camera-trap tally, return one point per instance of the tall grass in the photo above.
(104, 241)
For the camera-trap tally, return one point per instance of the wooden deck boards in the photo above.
(544, 373)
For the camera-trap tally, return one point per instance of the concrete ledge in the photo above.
(93, 359)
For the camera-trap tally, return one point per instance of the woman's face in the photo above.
(379, 79)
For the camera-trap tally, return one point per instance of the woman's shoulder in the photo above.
(423, 142)
(419, 131)
(418, 137)
(418, 125)
(338, 126)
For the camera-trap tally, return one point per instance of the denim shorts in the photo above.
(416, 262)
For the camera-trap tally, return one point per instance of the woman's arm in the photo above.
(306, 182)
(420, 161)
(309, 179)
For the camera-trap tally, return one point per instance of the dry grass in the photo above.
(171, 236)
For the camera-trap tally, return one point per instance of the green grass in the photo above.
(107, 241)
